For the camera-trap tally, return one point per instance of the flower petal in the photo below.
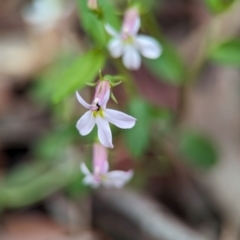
(84, 169)
(86, 123)
(104, 132)
(117, 178)
(131, 22)
(82, 101)
(103, 102)
(106, 166)
(110, 30)
(136, 26)
(131, 58)
(102, 93)
(115, 47)
(99, 158)
(90, 180)
(148, 46)
(119, 119)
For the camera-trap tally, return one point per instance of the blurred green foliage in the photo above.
(33, 189)
(143, 5)
(93, 22)
(227, 53)
(109, 13)
(137, 138)
(197, 149)
(218, 6)
(67, 75)
(84, 69)
(168, 67)
(50, 146)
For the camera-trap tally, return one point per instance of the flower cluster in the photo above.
(101, 116)
(127, 44)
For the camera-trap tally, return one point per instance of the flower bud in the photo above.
(93, 4)
(102, 93)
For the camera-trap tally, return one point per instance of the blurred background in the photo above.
(184, 149)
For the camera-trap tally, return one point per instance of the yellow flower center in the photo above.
(127, 39)
(98, 112)
(103, 177)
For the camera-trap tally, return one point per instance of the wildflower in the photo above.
(100, 115)
(128, 44)
(101, 175)
(93, 4)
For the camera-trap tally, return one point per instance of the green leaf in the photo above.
(163, 117)
(168, 67)
(198, 150)
(109, 13)
(31, 189)
(137, 138)
(82, 70)
(227, 53)
(144, 5)
(46, 83)
(91, 23)
(51, 146)
(218, 6)
(24, 173)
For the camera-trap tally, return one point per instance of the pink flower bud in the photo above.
(92, 4)
(102, 94)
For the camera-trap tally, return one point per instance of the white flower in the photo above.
(128, 44)
(101, 175)
(98, 114)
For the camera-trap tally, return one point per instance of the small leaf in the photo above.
(114, 98)
(168, 66)
(218, 6)
(198, 150)
(82, 70)
(114, 80)
(91, 24)
(137, 138)
(109, 13)
(94, 24)
(227, 53)
(144, 5)
(90, 84)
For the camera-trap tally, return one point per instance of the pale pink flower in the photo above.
(101, 175)
(93, 4)
(100, 115)
(129, 44)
